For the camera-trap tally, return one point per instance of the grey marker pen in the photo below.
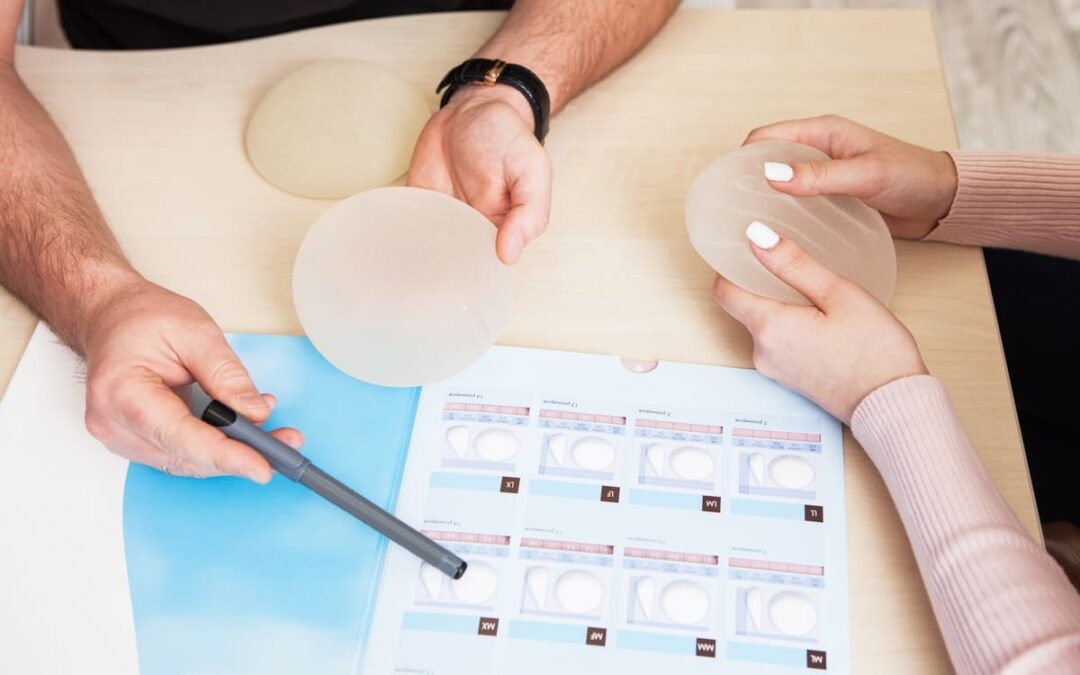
(294, 466)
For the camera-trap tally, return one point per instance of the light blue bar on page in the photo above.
(655, 642)
(747, 507)
(440, 623)
(557, 488)
(779, 656)
(548, 632)
(674, 500)
(465, 481)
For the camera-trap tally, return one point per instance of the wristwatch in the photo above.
(488, 73)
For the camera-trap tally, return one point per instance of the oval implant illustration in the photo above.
(579, 592)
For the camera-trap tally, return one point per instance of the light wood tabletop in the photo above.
(159, 135)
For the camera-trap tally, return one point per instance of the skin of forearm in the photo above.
(570, 44)
(57, 254)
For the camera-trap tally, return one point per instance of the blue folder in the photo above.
(231, 577)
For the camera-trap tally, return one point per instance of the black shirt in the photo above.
(152, 24)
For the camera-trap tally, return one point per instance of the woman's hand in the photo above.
(835, 352)
(912, 187)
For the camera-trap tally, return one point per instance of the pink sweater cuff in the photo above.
(1012, 200)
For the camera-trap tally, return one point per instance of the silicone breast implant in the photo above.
(401, 286)
(846, 235)
(334, 128)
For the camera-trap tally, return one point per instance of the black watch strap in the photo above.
(490, 72)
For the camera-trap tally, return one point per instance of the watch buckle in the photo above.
(491, 77)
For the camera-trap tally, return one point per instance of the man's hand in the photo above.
(140, 341)
(835, 352)
(145, 343)
(912, 187)
(481, 149)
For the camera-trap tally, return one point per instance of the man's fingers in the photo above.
(131, 446)
(289, 436)
(156, 414)
(853, 177)
(530, 204)
(745, 307)
(134, 447)
(218, 370)
(208, 448)
(794, 266)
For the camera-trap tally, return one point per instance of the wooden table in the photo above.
(159, 137)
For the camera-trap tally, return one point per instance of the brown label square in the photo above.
(816, 660)
(609, 493)
(510, 484)
(814, 514)
(706, 648)
(710, 503)
(488, 626)
(596, 636)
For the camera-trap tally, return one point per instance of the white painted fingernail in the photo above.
(762, 235)
(779, 172)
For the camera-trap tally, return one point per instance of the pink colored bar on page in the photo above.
(679, 426)
(488, 408)
(674, 556)
(584, 417)
(574, 546)
(776, 566)
(470, 537)
(739, 431)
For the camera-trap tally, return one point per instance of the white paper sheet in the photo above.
(622, 525)
(64, 601)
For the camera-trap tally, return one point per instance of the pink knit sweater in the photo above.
(1002, 603)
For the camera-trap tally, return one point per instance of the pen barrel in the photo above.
(397, 530)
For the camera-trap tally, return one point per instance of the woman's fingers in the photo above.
(837, 137)
(794, 266)
(855, 177)
(745, 307)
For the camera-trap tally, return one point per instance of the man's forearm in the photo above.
(570, 44)
(56, 252)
